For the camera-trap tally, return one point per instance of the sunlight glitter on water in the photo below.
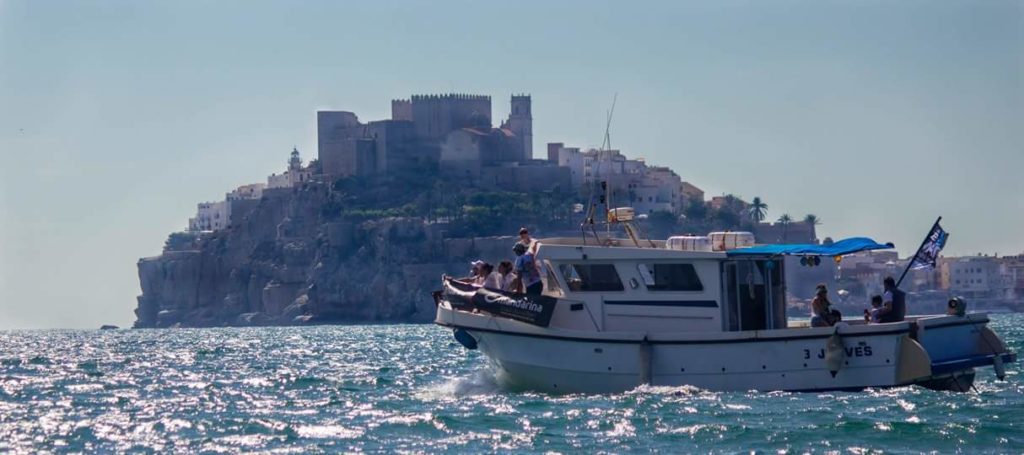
(411, 388)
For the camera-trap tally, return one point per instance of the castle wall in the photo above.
(461, 155)
(394, 146)
(526, 178)
(338, 135)
(346, 157)
(401, 110)
(437, 115)
(412, 140)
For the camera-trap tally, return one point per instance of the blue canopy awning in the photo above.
(840, 248)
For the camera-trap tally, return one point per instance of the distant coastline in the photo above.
(362, 233)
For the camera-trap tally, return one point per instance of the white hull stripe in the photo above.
(634, 341)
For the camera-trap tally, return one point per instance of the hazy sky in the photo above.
(117, 117)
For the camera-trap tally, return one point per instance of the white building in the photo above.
(210, 216)
(214, 216)
(250, 191)
(294, 175)
(980, 277)
(646, 188)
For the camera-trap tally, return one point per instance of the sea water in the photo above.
(412, 388)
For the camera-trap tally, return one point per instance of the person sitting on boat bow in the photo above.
(492, 279)
(822, 313)
(507, 277)
(527, 271)
(476, 276)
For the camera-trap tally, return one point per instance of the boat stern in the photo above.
(957, 345)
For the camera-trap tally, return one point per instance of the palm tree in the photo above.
(812, 220)
(785, 220)
(758, 209)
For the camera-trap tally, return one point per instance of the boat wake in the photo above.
(479, 382)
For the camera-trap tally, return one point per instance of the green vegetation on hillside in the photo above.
(471, 212)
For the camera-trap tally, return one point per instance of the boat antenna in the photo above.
(591, 208)
(607, 144)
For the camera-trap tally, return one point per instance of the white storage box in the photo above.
(723, 241)
(688, 243)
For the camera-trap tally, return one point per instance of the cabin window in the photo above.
(591, 277)
(670, 277)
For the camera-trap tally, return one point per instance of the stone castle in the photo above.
(453, 137)
(452, 133)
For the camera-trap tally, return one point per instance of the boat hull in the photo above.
(591, 366)
(796, 359)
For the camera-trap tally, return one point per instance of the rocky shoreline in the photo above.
(288, 261)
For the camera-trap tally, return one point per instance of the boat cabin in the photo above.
(620, 287)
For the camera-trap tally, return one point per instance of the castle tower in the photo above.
(295, 162)
(401, 110)
(520, 121)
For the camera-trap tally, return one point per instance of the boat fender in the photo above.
(465, 339)
(645, 362)
(997, 364)
(835, 352)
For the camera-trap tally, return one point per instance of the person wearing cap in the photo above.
(527, 271)
(475, 274)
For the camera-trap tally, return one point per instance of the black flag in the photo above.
(928, 254)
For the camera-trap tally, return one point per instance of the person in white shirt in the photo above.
(507, 277)
(492, 279)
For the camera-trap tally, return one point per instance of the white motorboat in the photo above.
(626, 313)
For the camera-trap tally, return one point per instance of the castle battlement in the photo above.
(451, 96)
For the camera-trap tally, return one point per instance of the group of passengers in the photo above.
(521, 276)
(891, 306)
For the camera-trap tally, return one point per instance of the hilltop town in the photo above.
(451, 141)
(362, 232)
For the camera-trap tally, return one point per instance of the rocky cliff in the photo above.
(286, 259)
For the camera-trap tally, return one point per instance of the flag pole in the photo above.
(912, 258)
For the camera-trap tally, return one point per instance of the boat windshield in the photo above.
(551, 286)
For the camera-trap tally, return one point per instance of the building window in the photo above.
(591, 277)
(670, 277)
